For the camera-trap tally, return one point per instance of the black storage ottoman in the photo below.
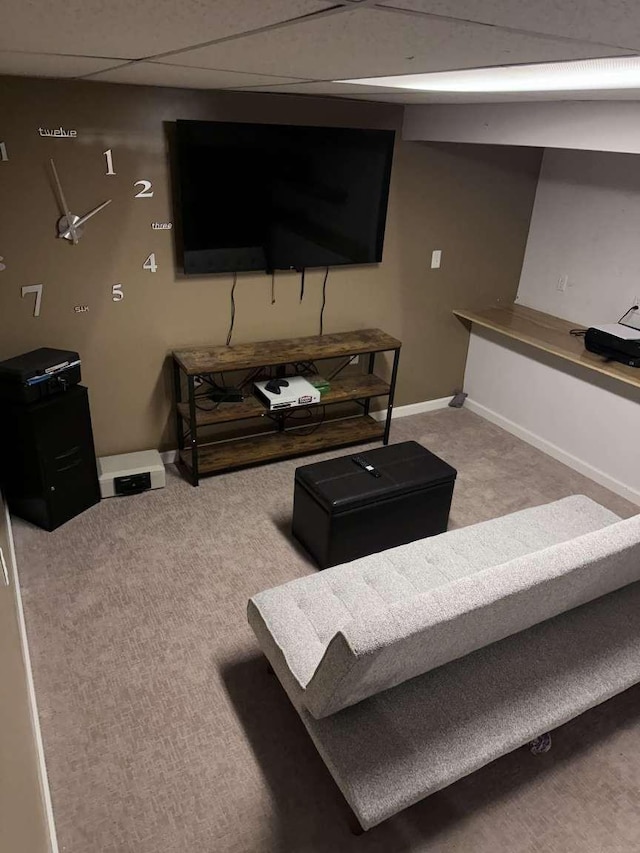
(342, 512)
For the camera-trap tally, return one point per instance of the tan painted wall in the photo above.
(22, 819)
(472, 202)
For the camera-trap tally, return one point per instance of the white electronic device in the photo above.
(130, 473)
(296, 392)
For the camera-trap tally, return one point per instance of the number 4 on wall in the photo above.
(150, 264)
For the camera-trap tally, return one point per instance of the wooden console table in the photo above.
(200, 455)
(548, 333)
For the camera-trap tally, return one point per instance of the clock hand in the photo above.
(84, 218)
(65, 207)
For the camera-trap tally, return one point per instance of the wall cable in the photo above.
(233, 307)
(324, 300)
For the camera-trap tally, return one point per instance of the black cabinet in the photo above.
(48, 462)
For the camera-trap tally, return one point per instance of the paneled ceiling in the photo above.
(301, 46)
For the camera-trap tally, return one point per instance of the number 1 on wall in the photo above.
(109, 157)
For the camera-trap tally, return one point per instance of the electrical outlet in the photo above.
(436, 259)
(562, 283)
(355, 359)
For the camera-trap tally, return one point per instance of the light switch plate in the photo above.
(436, 258)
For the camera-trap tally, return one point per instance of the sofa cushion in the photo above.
(403, 744)
(355, 629)
(423, 633)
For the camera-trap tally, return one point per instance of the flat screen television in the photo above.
(271, 197)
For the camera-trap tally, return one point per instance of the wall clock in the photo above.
(72, 225)
(69, 224)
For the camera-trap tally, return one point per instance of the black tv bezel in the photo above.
(196, 262)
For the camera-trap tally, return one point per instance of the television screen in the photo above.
(271, 197)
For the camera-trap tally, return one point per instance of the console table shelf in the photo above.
(199, 455)
(287, 351)
(363, 386)
(226, 455)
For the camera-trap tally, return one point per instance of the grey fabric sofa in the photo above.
(416, 666)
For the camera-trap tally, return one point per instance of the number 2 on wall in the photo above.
(146, 191)
(37, 289)
(150, 264)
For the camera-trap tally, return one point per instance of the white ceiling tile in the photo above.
(318, 87)
(380, 93)
(614, 22)
(159, 74)
(368, 43)
(43, 65)
(495, 98)
(134, 29)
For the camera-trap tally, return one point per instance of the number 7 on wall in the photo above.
(37, 289)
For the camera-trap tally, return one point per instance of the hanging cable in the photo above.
(273, 287)
(233, 307)
(302, 285)
(324, 300)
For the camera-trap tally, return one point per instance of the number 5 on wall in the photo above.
(37, 289)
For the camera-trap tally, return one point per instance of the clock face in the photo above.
(73, 224)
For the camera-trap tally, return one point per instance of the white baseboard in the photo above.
(45, 794)
(413, 408)
(556, 452)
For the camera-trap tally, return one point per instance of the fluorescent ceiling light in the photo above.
(582, 75)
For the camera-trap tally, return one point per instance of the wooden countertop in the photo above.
(550, 334)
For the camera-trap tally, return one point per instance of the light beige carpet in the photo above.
(164, 733)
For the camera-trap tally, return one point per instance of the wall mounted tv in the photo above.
(271, 197)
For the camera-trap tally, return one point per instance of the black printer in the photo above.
(617, 341)
(40, 373)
